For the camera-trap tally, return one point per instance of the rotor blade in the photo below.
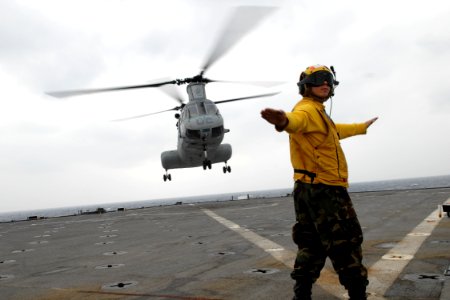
(258, 83)
(172, 92)
(243, 19)
(64, 94)
(246, 98)
(146, 115)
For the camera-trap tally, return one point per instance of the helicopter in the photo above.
(200, 126)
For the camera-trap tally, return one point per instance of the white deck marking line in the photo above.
(382, 274)
(385, 271)
(284, 256)
(277, 251)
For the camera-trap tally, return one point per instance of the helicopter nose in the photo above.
(205, 133)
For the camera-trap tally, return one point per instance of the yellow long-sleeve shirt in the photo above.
(314, 143)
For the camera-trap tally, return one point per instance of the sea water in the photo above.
(398, 184)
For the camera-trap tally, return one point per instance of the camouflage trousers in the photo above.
(327, 226)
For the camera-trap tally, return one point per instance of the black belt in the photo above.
(307, 173)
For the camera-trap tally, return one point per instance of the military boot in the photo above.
(302, 290)
(357, 292)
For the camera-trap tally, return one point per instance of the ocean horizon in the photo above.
(371, 186)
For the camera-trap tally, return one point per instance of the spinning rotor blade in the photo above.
(172, 92)
(243, 19)
(146, 115)
(64, 94)
(246, 98)
(182, 105)
(258, 83)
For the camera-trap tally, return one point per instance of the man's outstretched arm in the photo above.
(276, 117)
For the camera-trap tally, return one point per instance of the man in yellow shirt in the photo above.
(327, 225)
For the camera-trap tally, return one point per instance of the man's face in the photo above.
(321, 91)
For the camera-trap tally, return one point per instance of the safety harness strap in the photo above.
(307, 173)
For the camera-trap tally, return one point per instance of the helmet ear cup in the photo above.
(301, 86)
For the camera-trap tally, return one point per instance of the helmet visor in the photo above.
(319, 78)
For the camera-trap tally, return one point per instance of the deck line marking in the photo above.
(284, 256)
(387, 271)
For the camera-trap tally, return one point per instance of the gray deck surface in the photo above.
(221, 250)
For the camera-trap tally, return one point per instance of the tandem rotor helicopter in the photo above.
(200, 125)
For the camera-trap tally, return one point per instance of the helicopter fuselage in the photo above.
(200, 134)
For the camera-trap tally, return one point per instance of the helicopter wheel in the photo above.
(206, 164)
(167, 177)
(226, 169)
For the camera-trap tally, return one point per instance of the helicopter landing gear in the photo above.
(167, 176)
(226, 168)
(207, 164)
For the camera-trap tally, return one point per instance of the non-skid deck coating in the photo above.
(221, 250)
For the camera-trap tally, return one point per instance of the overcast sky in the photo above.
(391, 58)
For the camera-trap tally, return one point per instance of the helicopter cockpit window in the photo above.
(217, 131)
(193, 133)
